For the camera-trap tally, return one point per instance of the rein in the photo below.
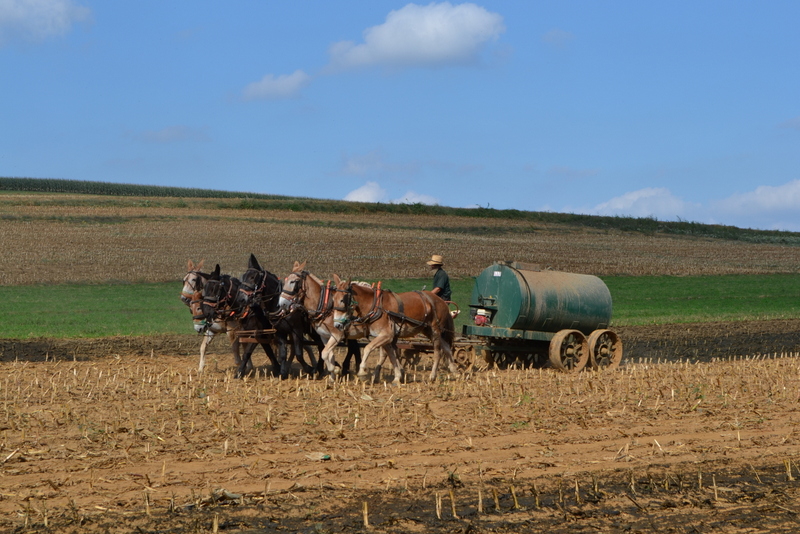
(349, 307)
(255, 295)
(324, 303)
(223, 298)
(377, 309)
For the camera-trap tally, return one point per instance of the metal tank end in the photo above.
(522, 266)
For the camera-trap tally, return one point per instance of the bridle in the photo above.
(298, 291)
(196, 284)
(255, 293)
(219, 299)
(297, 294)
(349, 305)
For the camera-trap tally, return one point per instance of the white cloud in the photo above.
(763, 200)
(432, 35)
(766, 207)
(655, 202)
(412, 197)
(372, 192)
(39, 19)
(369, 192)
(271, 87)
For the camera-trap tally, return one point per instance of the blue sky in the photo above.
(680, 109)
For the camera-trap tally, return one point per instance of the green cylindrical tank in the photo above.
(521, 297)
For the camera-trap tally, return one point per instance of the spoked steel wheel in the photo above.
(569, 351)
(605, 349)
(464, 357)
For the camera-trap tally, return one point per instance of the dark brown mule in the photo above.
(307, 291)
(389, 316)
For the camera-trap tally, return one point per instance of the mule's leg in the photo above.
(283, 359)
(299, 347)
(272, 359)
(379, 341)
(248, 352)
(391, 350)
(327, 357)
(207, 338)
(436, 339)
(382, 354)
(353, 351)
(319, 365)
(448, 353)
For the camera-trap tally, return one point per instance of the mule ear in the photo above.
(190, 266)
(253, 262)
(199, 266)
(303, 265)
(215, 273)
(337, 279)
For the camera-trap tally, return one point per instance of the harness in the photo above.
(377, 309)
(222, 299)
(255, 296)
(324, 303)
(401, 318)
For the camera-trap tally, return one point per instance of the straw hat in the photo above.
(436, 260)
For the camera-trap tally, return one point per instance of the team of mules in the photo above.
(304, 310)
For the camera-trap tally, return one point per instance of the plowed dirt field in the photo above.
(123, 435)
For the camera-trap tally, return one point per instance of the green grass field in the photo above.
(84, 311)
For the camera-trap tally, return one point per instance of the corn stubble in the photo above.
(150, 440)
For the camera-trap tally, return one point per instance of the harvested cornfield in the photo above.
(123, 434)
(85, 241)
(144, 444)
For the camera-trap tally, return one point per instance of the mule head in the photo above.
(343, 303)
(214, 295)
(200, 320)
(293, 289)
(193, 281)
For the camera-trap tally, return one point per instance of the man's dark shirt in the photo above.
(442, 281)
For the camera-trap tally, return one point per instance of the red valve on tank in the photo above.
(482, 318)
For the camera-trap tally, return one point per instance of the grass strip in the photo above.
(86, 311)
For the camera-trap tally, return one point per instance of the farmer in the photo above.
(441, 282)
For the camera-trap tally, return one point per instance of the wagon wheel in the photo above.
(605, 350)
(488, 359)
(464, 357)
(569, 351)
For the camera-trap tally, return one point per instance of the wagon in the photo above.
(531, 317)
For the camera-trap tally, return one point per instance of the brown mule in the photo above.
(302, 288)
(389, 316)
